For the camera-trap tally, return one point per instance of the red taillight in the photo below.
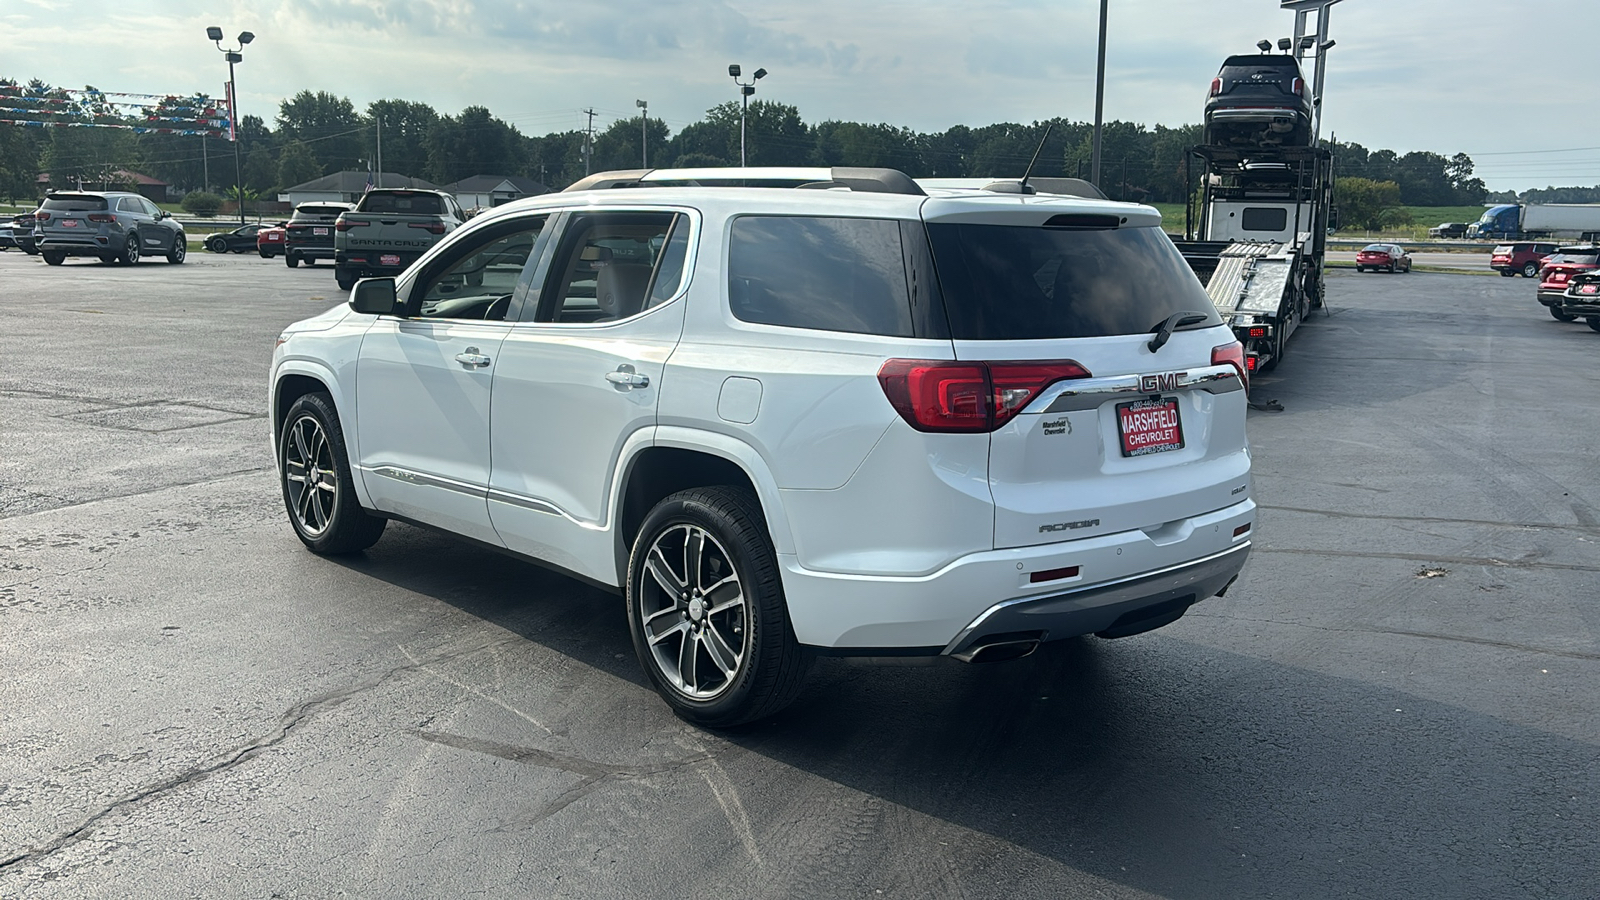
(1216, 86)
(433, 227)
(974, 397)
(41, 216)
(102, 217)
(1298, 88)
(1233, 355)
(346, 224)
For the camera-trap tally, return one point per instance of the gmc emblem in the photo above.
(1164, 381)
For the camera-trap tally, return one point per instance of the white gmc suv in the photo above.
(792, 412)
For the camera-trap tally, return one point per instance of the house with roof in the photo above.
(347, 187)
(484, 191)
(117, 180)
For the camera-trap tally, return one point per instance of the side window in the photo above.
(129, 205)
(478, 279)
(1264, 218)
(609, 263)
(831, 274)
(150, 209)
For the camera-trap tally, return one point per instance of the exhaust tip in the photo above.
(1001, 647)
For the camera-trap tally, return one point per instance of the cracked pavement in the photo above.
(194, 706)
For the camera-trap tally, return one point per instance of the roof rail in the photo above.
(866, 180)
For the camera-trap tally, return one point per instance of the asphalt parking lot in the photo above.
(1397, 699)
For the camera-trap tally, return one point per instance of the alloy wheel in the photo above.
(695, 612)
(313, 480)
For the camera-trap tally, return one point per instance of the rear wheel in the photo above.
(1361, 268)
(707, 612)
(1529, 270)
(130, 250)
(290, 260)
(1594, 322)
(315, 473)
(264, 254)
(1559, 316)
(1508, 273)
(53, 257)
(345, 278)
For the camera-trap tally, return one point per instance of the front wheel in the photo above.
(706, 609)
(1529, 270)
(179, 251)
(217, 245)
(1558, 315)
(315, 473)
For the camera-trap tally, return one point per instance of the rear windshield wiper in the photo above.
(1176, 320)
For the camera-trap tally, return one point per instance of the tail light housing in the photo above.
(1298, 88)
(1233, 355)
(41, 216)
(102, 217)
(968, 397)
(1216, 87)
(433, 227)
(344, 224)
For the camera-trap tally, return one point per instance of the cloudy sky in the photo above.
(1441, 75)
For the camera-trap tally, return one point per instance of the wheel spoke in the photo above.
(679, 627)
(686, 661)
(303, 507)
(321, 511)
(719, 651)
(327, 483)
(693, 549)
(724, 595)
(300, 441)
(656, 564)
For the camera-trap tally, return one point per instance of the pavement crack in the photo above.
(1488, 561)
(164, 487)
(1585, 527)
(1403, 632)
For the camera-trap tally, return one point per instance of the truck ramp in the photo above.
(1251, 278)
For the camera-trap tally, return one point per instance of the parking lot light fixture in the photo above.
(644, 132)
(233, 56)
(746, 89)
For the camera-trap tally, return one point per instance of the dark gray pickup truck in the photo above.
(388, 230)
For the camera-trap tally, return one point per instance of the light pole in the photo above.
(1099, 100)
(234, 56)
(746, 89)
(644, 132)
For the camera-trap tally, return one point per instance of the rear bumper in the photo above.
(372, 262)
(1574, 306)
(1119, 577)
(1552, 298)
(310, 251)
(1225, 114)
(83, 244)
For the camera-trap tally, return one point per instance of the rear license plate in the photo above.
(389, 259)
(1149, 426)
(69, 223)
(1589, 289)
(319, 231)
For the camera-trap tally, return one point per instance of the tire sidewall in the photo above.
(763, 637)
(320, 407)
(180, 250)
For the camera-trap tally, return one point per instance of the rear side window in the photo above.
(74, 202)
(1006, 282)
(413, 204)
(1264, 218)
(830, 274)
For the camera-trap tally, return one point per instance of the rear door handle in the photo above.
(472, 359)
(626, 377)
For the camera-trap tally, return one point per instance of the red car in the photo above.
(1559, 269)
(270, 240)
(1524, 257)
(1391, 257)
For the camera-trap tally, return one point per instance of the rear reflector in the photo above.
(1057, 574)
(1216, 86)
(1241, 529)
(1299, 87)
(1258, 331)
(972, 397)
(1250, 363)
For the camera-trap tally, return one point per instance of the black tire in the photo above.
(1508, 273)
(328, 519)
(1391, 268)
(345, 278)
(1530, 270)
(677, 625)
(53, 257)
(310, 260)
(1361, 268)
(1594, 323)
(217, 244)
(130, 249)
(290, 260)
(179, 251)
(1558, 315)
(263, 254)
(107, 260)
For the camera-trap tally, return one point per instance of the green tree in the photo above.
(328, 123)
(473, 143)
(297, 165)
(406, 127)
(854, 144)
(774, 133)
(1363, 203)
(202, 203)
(618, 146)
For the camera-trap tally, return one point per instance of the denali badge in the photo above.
(1065, 526)
(1155, 384)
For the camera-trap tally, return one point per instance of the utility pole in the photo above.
(588, 140)
(380, 151)
(1099, 99)
(644, 132)
(205, 166)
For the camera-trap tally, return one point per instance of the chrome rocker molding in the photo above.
(1089, 393)
(410, 476)
(1118, 608)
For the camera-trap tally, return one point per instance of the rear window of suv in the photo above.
(414, 204)
(74, 202)
(1005, 282)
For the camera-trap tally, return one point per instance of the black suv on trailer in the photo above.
(1259, 100)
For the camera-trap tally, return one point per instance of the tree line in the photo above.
(317, 133)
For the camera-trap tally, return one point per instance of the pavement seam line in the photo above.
(165, 487)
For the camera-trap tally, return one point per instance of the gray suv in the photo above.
(112, 225)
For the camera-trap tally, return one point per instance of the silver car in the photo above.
(111, 225)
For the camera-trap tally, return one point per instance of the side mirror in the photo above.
(374, 296)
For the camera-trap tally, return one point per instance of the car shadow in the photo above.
(1158, 762)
